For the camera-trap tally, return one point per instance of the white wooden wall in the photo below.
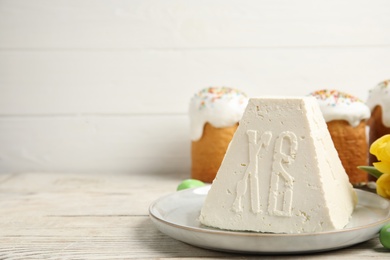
(104, 85)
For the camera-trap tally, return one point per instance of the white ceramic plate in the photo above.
(177, 216)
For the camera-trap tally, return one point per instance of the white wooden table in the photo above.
(104, 216)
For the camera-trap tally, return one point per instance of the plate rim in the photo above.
(216, 231)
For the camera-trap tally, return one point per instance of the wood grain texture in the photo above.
(103, 216)
(131, 61)
(142, 24)
(162, 82)
(95, 144)
(94, 97)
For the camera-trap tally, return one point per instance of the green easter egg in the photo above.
(384, 236)
(190, 183)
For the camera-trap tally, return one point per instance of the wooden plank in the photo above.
(90, 238)
(97, 216)
(192, 24)
(43, 223)
(162, 82)
(118, 238)
(95, 144)
(100, 194)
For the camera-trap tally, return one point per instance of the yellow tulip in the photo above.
(381, 149)
(383, 186)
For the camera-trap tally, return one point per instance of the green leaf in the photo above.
(371, 170)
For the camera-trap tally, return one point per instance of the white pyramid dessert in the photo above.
(281, 173)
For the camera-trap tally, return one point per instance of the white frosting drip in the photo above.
(380, 96)
(337, 105)
(219, 106)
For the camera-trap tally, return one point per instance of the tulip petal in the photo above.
(383, 167)
(383, 186)
(386, 153)
(381, 148)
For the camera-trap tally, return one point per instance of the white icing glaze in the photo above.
(379, 96)
(337, 105)
(219, 106)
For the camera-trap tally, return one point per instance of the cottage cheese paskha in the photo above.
(281, 173)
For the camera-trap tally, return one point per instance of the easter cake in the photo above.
(281, 173)
(345, 116)
(214, 115)
(379, 103)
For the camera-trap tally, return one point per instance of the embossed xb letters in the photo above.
(281, 186)
(252, 172)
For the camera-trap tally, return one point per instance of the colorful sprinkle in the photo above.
(219, 106)
(335, 97)
(384, 84)
(211, 95)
